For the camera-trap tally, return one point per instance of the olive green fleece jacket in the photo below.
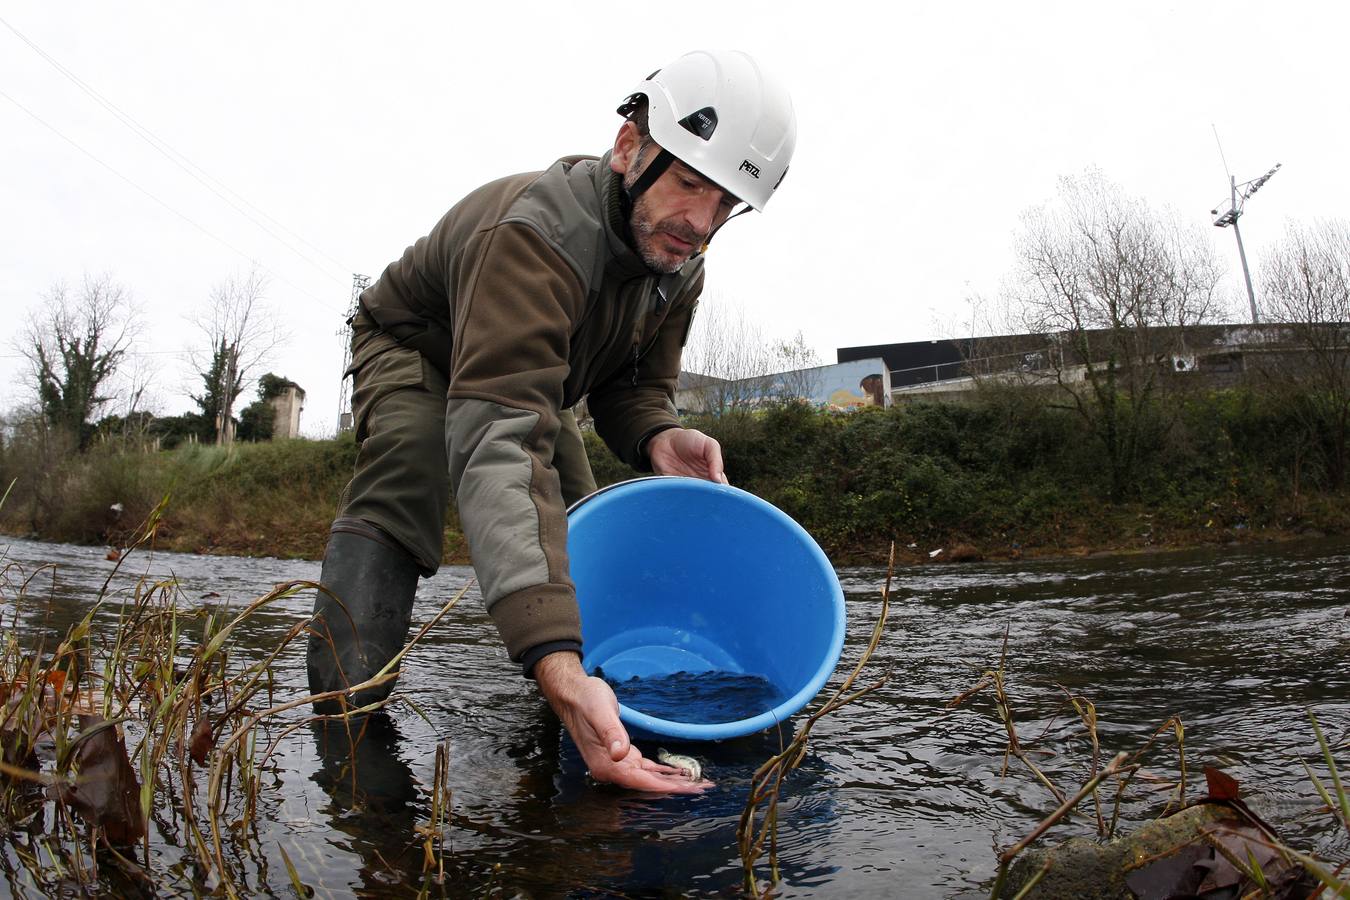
(529, 298)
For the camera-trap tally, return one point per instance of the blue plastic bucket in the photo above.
(679, 575)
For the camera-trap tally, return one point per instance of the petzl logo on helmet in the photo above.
(748, 166)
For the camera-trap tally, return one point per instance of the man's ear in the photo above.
(626, 145)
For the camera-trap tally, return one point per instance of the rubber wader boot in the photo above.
(375, 580)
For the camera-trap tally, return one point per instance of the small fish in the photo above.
(690, 765)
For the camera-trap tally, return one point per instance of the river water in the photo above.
(898, 796)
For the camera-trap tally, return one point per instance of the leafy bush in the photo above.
(1003, 470)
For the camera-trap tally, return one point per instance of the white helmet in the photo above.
(721, 115)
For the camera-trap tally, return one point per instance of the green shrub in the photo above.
(1005, 468)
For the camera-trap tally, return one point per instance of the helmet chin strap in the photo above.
(655, 169)
(739, 212)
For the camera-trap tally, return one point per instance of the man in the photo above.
(532, 293)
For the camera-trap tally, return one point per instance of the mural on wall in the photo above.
(848, 385)
(843, 386)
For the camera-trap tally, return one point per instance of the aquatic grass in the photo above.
(434, 832)
(1178, 796)
(152, 726)
(1340, 809)
(996, 679)
(1234, 843)
(1005, 859)
(758, 823)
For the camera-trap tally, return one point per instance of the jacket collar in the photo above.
(623, 259)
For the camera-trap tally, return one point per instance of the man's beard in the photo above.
(645, 237)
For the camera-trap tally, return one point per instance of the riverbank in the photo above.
(946, 483)
(305, 540)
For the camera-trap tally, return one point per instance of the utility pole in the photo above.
(359, 284)
(1230, 217)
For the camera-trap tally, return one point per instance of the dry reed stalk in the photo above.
(228, 751)
(1126, 766)
(144, 677)
(995, 678)
(1179, 795)
(433, 833)
(1087, 714)
(1006, 857)
(767, 782)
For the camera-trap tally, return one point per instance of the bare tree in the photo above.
(1113, 287)
(242, 333)
(1306, 291)
(136, 404)
(74, 347)
(798, 370)
(742, 368)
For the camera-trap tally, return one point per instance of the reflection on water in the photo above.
(698, 698)
(899, 796)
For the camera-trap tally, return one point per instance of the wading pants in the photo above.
(401, 483)
(392, 516)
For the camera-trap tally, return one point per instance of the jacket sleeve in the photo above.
(516, 301)
(638, 400)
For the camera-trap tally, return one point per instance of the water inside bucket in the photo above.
(698, 698)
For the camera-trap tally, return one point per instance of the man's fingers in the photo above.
(604, 719)
(618, 745)
(652, 765)
(640, 779)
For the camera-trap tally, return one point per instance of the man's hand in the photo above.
(590, 712)
(684, 451)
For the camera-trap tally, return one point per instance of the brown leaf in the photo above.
(1245, 843)
(1176, 875)
(106, 792)
(202, 742)
(1221, 785)
(24, 720)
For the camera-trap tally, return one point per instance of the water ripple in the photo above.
(896, 789)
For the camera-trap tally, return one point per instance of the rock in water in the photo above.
(1164, 859)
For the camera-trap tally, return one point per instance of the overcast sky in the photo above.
(318, 140)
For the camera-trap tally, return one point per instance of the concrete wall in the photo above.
(287, 407)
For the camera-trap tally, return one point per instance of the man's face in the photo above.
(674, 217)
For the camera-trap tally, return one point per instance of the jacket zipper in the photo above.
(661, 301)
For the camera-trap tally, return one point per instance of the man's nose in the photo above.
(702, 210)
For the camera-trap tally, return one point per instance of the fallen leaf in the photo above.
(1222, 786)
(202, 742)
(1171, 876)
(106, 792)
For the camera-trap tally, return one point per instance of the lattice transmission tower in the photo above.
(359, 284)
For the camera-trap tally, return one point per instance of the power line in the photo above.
(182, 162)
(1222, 157)
(125, 353)
(325, 304)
